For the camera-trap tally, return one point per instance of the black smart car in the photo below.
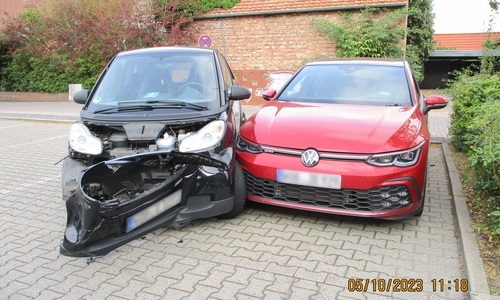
(155, 147)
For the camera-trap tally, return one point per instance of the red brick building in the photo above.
(265, 41)
(12, 8)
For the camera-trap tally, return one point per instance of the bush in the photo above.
(484, 153)
(469, 92)
(475, 128)
(373, 33)
(64, 42)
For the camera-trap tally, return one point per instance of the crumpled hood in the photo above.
(334, 127)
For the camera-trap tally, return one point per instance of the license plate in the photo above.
(330, 181)
(154, 210)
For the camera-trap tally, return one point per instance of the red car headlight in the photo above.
(400, 159)
(247, 146)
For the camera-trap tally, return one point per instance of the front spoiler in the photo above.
(111, 193)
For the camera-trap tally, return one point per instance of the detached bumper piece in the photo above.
(120, 200)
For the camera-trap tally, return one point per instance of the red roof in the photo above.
(253, 6)
(463, 41)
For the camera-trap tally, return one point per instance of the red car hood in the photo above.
(335, 127)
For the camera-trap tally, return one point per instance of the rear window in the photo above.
(349, 84)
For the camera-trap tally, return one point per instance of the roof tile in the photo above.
(463, 41)
(245, 6)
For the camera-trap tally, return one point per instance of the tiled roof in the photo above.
(463, 41)
(257, 6)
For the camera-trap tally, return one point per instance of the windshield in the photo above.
(349, 84)
(135, 80)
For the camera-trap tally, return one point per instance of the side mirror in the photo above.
(435, 102)
(237, 92)
(269, 94)
(81, 96)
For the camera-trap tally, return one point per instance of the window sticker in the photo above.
(151, 95)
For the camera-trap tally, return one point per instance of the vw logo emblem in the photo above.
(310, 158)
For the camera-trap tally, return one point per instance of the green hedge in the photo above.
(475, 129)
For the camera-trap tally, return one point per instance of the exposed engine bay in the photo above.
(132, 138)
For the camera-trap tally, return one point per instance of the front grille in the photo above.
(376, 199)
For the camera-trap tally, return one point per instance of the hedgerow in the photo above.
(64, 42)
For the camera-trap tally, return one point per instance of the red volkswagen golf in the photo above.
(343, 136)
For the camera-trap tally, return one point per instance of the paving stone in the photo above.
(266, 252)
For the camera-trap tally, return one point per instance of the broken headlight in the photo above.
(206, 137)
(83, 141)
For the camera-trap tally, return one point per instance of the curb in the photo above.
(478, 283)
(35, 117)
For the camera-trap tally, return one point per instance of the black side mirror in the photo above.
(238, 92)
(81, 96)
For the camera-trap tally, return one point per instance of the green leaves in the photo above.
(475, 128)
(65, 42)
(372, 33)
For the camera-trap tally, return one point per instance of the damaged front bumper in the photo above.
(114, 202)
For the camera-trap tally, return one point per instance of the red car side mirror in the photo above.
(435, 102)
(269, 94)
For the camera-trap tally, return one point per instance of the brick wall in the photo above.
(274, 42)
(12, 8)
(263, 50)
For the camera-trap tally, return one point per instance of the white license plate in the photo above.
(330, 181)
(154, 210)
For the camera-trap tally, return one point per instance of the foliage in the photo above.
(493, 4)
(372, 33)
(475, 124)
(419, 41)
(474, 129)
(380, 33)
(469, 93)
(64, 42)
(484, 153)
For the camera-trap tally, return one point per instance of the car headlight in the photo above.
(247, 146)
(83, 141)
(400, 159)
(206, 137)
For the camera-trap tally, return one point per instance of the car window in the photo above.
(190, 78)
(226, 73)
(349, 84)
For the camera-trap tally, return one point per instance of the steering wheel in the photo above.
(196, 85)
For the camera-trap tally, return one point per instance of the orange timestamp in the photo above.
(412, 285)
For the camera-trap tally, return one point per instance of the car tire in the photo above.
(240, 194)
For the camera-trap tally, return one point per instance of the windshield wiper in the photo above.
(150, 105)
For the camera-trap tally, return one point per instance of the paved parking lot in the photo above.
(267, 252)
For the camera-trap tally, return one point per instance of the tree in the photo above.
(419, 40)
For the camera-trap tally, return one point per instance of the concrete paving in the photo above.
(265, 253)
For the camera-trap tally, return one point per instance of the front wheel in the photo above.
(240, 194)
